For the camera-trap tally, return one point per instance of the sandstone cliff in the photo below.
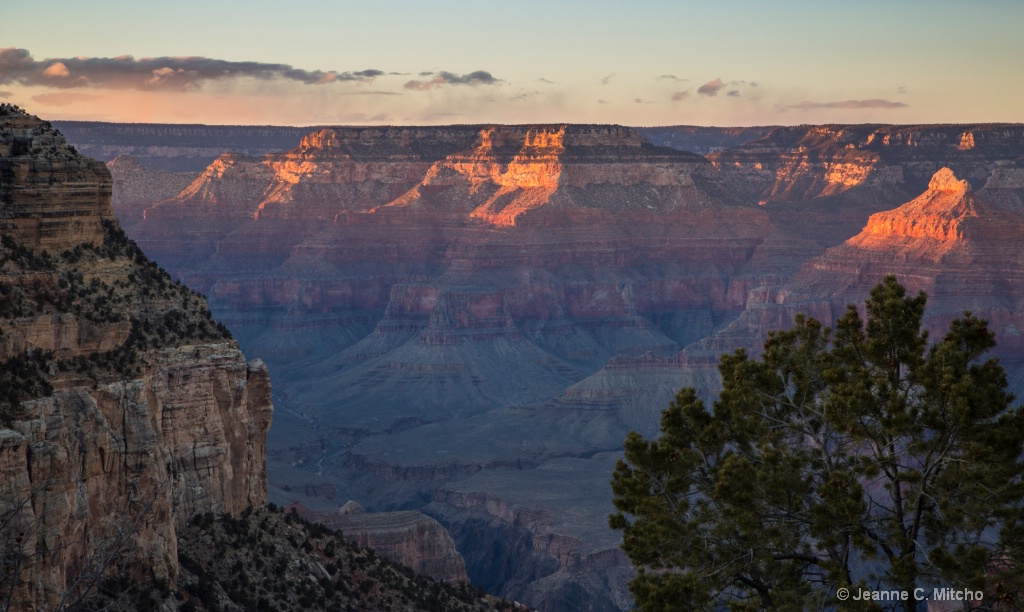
(407, 537)
(126, 409)
(958, 246)
(468, 319)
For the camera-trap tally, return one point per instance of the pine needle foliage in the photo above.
(866, 457)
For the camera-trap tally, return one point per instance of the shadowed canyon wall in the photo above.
(466, 320)
(125, 408)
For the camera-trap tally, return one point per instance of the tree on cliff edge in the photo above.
(863, 458)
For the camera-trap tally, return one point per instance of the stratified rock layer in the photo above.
(463, 319)
(51, 197)
(407, 537)
(126, 410)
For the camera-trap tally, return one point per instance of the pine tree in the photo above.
(866, 458)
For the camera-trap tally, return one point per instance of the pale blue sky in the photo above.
(783, 61)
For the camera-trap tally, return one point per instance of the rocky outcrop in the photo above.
(807, 162)
(407, 537)
(51, 197)
(125, 409)
(825, 181)
(954, 244)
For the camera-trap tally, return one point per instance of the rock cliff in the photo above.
(137, 186)
(951, 242)
(125, 408)
(466, 320)
(407, 537)
(176, 147)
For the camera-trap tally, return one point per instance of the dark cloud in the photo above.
(849, 104)
(711, 88)
(479, 77)
(368, 74)
(734, 93)
(670, 77)
(64, 98)
(680, 95)
(548, 81)
(153, 73)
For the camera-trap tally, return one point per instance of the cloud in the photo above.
(153, 73)
(734, 93)
(6, 94)
(64, 98)
(711, 88)
(605, 80)
(602, 101)
(548, 81)
(524, 95)
(680, 95)
(901, 90)
(849, 104)
(368, 74)
(641, 101)
(671, 77)
(443, 78)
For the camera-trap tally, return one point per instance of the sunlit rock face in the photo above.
(937, 214)
(465, 319)
(808, 162)
(826, 181)
(955, 244)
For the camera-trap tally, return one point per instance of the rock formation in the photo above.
(126, 409)
(175, 147)
(407, 537)
(954, 244)
(137, 186)
(466, 320)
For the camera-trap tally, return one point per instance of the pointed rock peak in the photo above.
(944, 180)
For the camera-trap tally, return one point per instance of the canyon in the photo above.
(465, 321)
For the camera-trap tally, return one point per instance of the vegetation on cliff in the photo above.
(274, 560)
(81, 283)
(859, 458)
(125, 410)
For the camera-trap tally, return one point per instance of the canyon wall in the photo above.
(466, 320)
(125, 408)
(176, 147)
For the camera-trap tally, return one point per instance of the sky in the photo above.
(405, 62)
